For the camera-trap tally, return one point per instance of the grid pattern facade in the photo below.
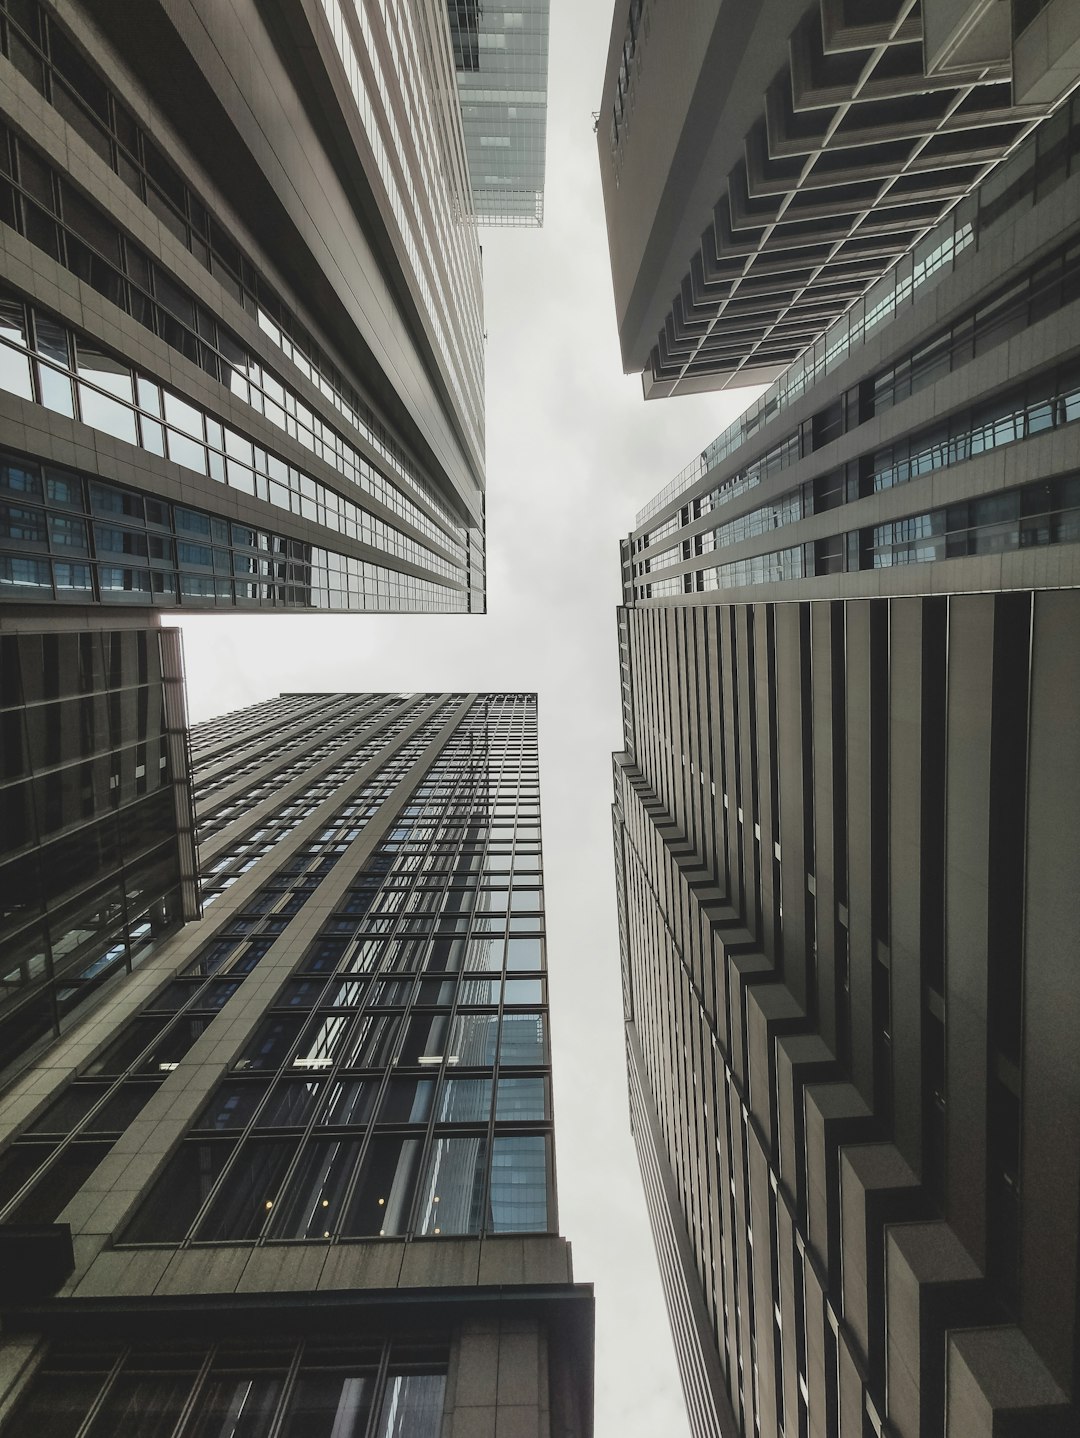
(867, 136)
(875, 453)
(343, 1065)
(97, 855)
(848, 787)
(204, 365)
(501, 53)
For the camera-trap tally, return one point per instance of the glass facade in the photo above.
(398, 1083)
(97, 858)
(362, 498)
(79, 380)
(501, 56)
(237, 1388)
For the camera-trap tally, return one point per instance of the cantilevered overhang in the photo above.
(846, 153)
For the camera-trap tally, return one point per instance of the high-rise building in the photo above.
(97, 844)
(295, 1175)
(241, 333)
(764, 164)
(846, 823)
(501, 57)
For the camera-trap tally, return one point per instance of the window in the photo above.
(343, 1387)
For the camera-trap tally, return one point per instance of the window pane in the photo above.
(101, 412)
(383, 1196)
(124, 1105)
(524, 991)
(425, 1039)
(56, 1406)
(371, 1042)
(480, 991)
(272, 1044)
(290, 1104)
(330, 1405)
(473, 1039)
(407, 1101)
(143, 1405)
(522, 953)
(311, 1207)
(519, 1185)
(466, 1100)
(122, 1052)
(350, 1102)
(412, 1406)
(15, 372)
(232, 1105)
(171, 1205)
(522, 1039)
(69, 1109)
(521, 1099)
(320, 1043)
(453, 1187)
(55, 1190)
(234, 1405)
(248, 1197)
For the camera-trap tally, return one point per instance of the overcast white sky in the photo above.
(572, 453)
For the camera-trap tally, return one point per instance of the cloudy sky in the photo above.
(573, 451)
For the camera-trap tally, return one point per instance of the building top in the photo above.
(763, 165)
(501, 55)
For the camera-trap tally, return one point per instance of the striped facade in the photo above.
(846, 822)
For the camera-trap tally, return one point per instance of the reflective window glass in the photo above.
(321, 1041)
(245, 1202)
(407, 1100)
(518, 1200)
(167, 1212)
(56, 1406)
(371, 1042)
(453, 1187)
(233, 1403)
(524, 991)
(66, 1112)
(232, 1106)
(290, 1103)
(382, 1199)
(143, 1405)
(465, 1100)
(272, 1043)
(350, 1101)
(412, 1406)
(521, 1099)
(473, 1040)
(312, 1203)
(479, 991)
(522, 1039)
(425, 1038)
(522, 953)
(332, 1405)
(485, 954)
